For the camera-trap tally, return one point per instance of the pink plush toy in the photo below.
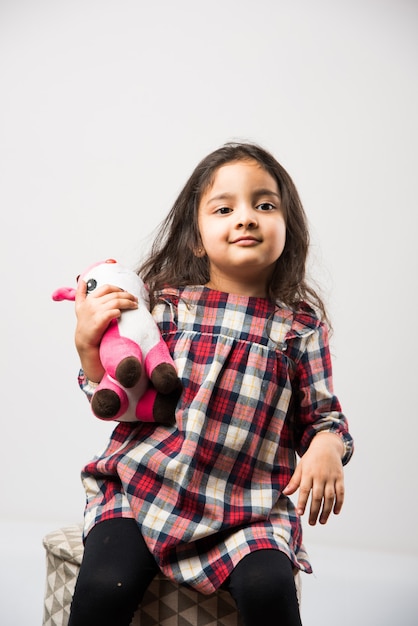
(132, 353)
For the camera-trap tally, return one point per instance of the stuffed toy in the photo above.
(140, 380)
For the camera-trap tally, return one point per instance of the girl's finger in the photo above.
(328, 504)
(304, 491)
(316, 503)
(81, 291)
(339, 496)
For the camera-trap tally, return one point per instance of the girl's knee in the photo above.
(105, 587)
(263, 587)
(104, 599)
(268, 588)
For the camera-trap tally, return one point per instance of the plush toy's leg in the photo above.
(160, 368)
(128, 372)
(121, 357)
(109, 401)
(156, 407)
(165, 405)
(145, 407)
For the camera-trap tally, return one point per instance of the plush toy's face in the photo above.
(111, 273)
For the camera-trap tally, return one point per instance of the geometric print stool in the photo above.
(64, 551)
(165, 603)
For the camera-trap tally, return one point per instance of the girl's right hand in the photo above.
(94, 314)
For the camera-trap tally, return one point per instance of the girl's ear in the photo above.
(200, 252)
(198, 249)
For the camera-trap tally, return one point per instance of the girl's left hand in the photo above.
(319, 473)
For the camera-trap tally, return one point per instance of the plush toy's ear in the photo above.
(64, 293)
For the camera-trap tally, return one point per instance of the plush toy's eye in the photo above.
(91, 285)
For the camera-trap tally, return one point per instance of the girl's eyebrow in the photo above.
(258, 193)
(265, 192)
(220, 196)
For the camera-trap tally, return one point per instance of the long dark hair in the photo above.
(172, 260)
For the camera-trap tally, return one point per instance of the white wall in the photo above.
(106, 107)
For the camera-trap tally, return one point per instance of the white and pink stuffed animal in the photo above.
(140, 381)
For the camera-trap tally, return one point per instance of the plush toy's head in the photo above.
(108, 272)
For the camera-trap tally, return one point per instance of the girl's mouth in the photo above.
(246, 241)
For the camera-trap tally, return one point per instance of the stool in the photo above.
(165, 603)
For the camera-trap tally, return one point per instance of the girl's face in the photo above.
(242, 228)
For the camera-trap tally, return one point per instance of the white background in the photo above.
(105, 109)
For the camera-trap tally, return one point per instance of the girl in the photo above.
(207, 501)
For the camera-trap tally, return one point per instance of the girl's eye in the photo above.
(224, 210)
(266, 206)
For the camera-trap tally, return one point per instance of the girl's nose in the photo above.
(246, 218)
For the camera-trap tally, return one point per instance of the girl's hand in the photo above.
(94, 314)
(320, 473)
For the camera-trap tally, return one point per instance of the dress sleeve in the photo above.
(86, 385)
(316, 408)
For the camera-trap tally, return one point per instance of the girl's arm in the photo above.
(94, 314)
(324, 442)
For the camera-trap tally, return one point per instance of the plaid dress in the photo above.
(206, 492)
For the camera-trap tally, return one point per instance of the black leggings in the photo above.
(117, 569)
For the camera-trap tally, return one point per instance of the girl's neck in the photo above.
(246, 289)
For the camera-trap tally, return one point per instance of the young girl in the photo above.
(207, 501)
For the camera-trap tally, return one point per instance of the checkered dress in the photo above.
(257, 387)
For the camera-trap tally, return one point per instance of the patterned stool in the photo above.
(164, 604)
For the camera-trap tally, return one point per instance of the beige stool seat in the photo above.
(165, 603)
